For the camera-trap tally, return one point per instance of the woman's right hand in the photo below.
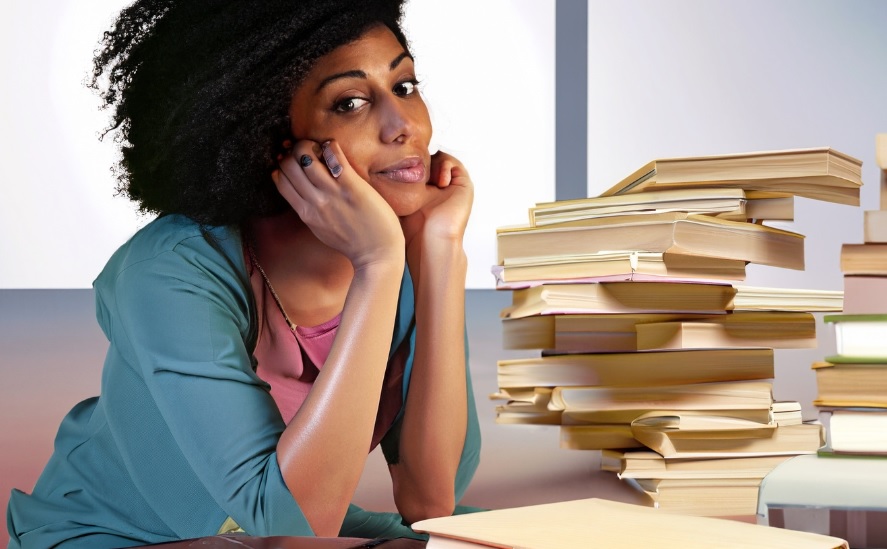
(344, 212)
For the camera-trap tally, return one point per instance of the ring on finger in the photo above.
(305, 160)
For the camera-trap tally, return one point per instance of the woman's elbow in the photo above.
(414, 509)
(429, 497)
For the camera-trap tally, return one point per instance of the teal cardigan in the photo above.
(184, 433)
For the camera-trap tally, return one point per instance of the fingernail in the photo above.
(331, 161)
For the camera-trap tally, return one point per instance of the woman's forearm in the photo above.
(435, 416)
(322, 451)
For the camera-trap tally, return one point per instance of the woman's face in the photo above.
(364, 96)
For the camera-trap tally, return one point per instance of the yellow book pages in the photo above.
(805, 438)
(712, 335)
(821, 173)
(730, 395)
(726, 203)
(650, 368)
(583, 524)
(673, 232)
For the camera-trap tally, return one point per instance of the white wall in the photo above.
(696, 77)
(488, 71)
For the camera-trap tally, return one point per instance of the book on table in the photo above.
(620, 297)
(859, 338)
(702, 497)
(820, 173)
(670, 232)
(601, 523)
(613, 266)
(850, 383)
(645, 369)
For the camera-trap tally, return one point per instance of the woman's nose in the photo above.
(399, 120)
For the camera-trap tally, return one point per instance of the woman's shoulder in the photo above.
(177, 241)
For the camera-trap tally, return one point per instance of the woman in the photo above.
(299, 299)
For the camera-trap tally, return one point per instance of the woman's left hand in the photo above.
(444, 217)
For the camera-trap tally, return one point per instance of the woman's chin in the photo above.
(408, 203)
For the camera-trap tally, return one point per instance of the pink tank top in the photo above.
(291, 360)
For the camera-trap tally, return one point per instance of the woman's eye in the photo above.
(350, 104)
(406, 88)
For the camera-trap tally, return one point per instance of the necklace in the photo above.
(255, 262)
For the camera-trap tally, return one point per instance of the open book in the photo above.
(586, 523)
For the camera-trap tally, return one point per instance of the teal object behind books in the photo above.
(842, 496)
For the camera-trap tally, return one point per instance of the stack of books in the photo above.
(847, 498)
(652, 350)
(852, 384)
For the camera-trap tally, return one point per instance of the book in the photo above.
(874, 226)
(725, 203)
(855, 430)
(724, 437)
(675, 232)
(648, 368)
(651, 465)
(756, 298)
(585, 332)
(786, 412)
(769, 206)
(859, 338)
(702, 497)
(850, 384)
(864, 259)
(865, 295)
(598, 436)
(627, 415)
(728, 395)
(620, 297)
(579, 331)
(526, 406)
(615, 265)
(775, 329)
(820, 173)
(597, 522)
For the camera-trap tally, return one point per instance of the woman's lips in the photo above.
(409, 170)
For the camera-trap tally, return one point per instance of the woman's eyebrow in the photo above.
(347, 74)
(398, 59)
(356, 73)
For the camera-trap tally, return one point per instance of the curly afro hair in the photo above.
(200, 93)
